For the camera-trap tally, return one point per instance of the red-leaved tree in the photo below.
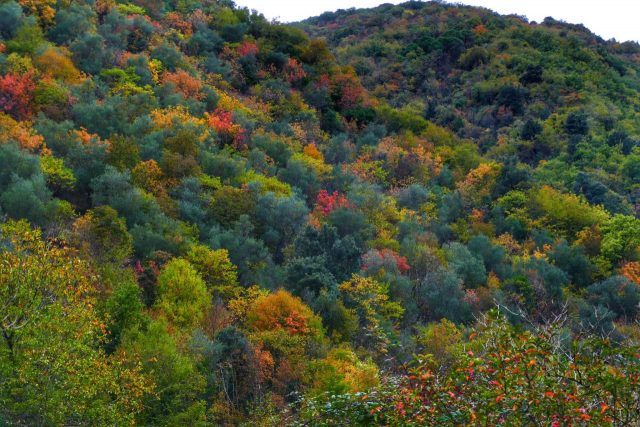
(327, 203)
(228, 132)
(16, 94)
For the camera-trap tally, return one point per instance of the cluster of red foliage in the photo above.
(185, 83)
(222, 122)
(327, 203)
(401, 261)
(248, 48)
(16, 94)
(323, 82)
(296, 324)
(386, 256)
(175, 21)
(349, 90)
(294, 71)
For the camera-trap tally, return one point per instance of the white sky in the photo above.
(619, 19)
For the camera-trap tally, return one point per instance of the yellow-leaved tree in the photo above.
(53, 369)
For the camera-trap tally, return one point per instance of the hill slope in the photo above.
(463, 56)
(534, 91)
(210, 219)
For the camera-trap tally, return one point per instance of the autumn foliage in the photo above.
(27, 138)
(631, 271)
(503, 378)
(416, 214)
(248, 48)
(327, 203)
(294, 71)
(221, 121)
(16, 94)
(281, 310)
(186, 84)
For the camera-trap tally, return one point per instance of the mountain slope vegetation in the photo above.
(420, 214)
(535, 92)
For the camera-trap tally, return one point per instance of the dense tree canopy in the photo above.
(418, 214)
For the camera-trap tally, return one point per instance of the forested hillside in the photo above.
(420, 214)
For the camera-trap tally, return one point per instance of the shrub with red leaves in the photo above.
(228, 131)
(387, 259)
(185, 83)
(16, 94)
(294, 71)
(327, 203)
(248, 48)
